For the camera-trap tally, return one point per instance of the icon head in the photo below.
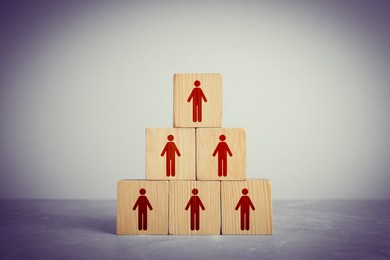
(142, 191)
(170, 137)
(222, 137)
(195, 191)
(245, 191)
(196, 83)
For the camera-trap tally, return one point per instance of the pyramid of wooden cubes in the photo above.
(195, 172)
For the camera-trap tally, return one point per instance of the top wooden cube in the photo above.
(197, 100)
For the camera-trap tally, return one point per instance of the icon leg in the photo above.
(145, 221)
(173, 167)
(247, 221)
(192, 221)
(139, 220)
(194, 113)
(219, 167)
(168, 166)
(242, 221)
(225, 167)
(197, 223)
(200, 113)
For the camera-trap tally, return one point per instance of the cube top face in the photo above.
(246, 207)
(170, 154)
(197, 100)
(194, 208)
(142, 207)
(221, 154)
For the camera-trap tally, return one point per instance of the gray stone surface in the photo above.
(55, 229)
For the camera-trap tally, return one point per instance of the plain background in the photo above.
(81, 80)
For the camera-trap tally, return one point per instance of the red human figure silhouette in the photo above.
(223, 150)
(195, 204)
(197, 96)
(245, 204)
(142, 204)
(170, 150)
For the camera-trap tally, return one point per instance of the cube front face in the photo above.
(221, 154)
(246, 207)
(142, 207)
(170, 154)
(197, 100)
(194, 208)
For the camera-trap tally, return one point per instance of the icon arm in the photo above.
(238, 205)
(251, 204)
(149, 205)
(203, 97)
(188, 204)
(177, 151)
(191, 96)
(216, 150)
(136, 204)
(164, 150)
(228, 150)
(201, 205)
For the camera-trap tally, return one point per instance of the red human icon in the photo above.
(142, 204)
(170, 150)
(223, 150)
(197, 96)
(195, 204)
(245, 204)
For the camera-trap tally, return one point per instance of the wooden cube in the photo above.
(221, 154)
(246, 207)
(194, 208)
(170, 154)
(142, 207)
(197, 100)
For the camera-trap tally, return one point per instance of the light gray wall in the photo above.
(81, 80)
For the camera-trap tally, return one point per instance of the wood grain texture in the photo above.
(156, 139)
(207, 140)
(179, 218)
(157, 218)
(211, 85)
(260, 219)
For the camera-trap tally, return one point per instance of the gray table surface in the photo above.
(74, 229)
